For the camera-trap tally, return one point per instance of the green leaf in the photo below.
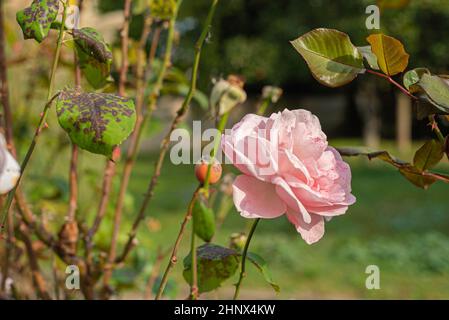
(436, 90)
(332, 58)
(95, 56)
(203, 219)
(429, 155)
(36, 19)
(215, 265)
(262, 266)
(369, 56)
(413, 76)
(416, 177)
(97, 122)
(391, 56)
(162, 9)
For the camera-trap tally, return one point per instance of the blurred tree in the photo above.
(251, 37)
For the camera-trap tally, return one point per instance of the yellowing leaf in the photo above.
(391, 56)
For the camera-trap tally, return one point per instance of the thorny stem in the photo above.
(194, 284)
(73, 176)
(4, 91)
(436, 129)
(392, 81)
(154, 272)
(143, 117)
(432, 121)
(244, 254)
(7, 123)
(122, 92)
(43, 118)
(173, 258)
(38, 279)
(166, 142)
(205, 190)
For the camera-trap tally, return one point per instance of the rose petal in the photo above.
(256, 199)
(310, 232)
(286, 194)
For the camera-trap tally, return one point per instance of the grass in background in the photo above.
(394, 225)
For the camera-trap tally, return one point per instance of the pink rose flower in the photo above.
(288, 168)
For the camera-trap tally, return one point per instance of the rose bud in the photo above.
(201, 171)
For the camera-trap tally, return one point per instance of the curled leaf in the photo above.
(332, 58)
(36, 19)
(436, 90)
(369, 56)
(97, 122)
(94, 55)
(413, 76)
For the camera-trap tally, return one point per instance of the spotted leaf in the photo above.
(36, 19)
(96, 122)
(94, 55)
(215, 265)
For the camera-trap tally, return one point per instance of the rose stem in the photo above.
(73, 176)
(43, 118)
(166, 142)
(194, 284)
(221, 126)
(432, 121)
(264, 106)
(244, 254)
(392, 81)
(142, 120)
(173, 258)
(205, 190)
(124, 35)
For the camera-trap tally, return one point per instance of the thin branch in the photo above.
(38, 280)
(154, 272)
(436, 129)
(44, 114)
(262, 108)
(124, 35)
(166, 142)
(221, 126)
(173, 257)
(7, 124)
(392, 81)
(25, 161)
(144, 118)
(194, 284)
(244, 254)
(73, 176)
(4, 91)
